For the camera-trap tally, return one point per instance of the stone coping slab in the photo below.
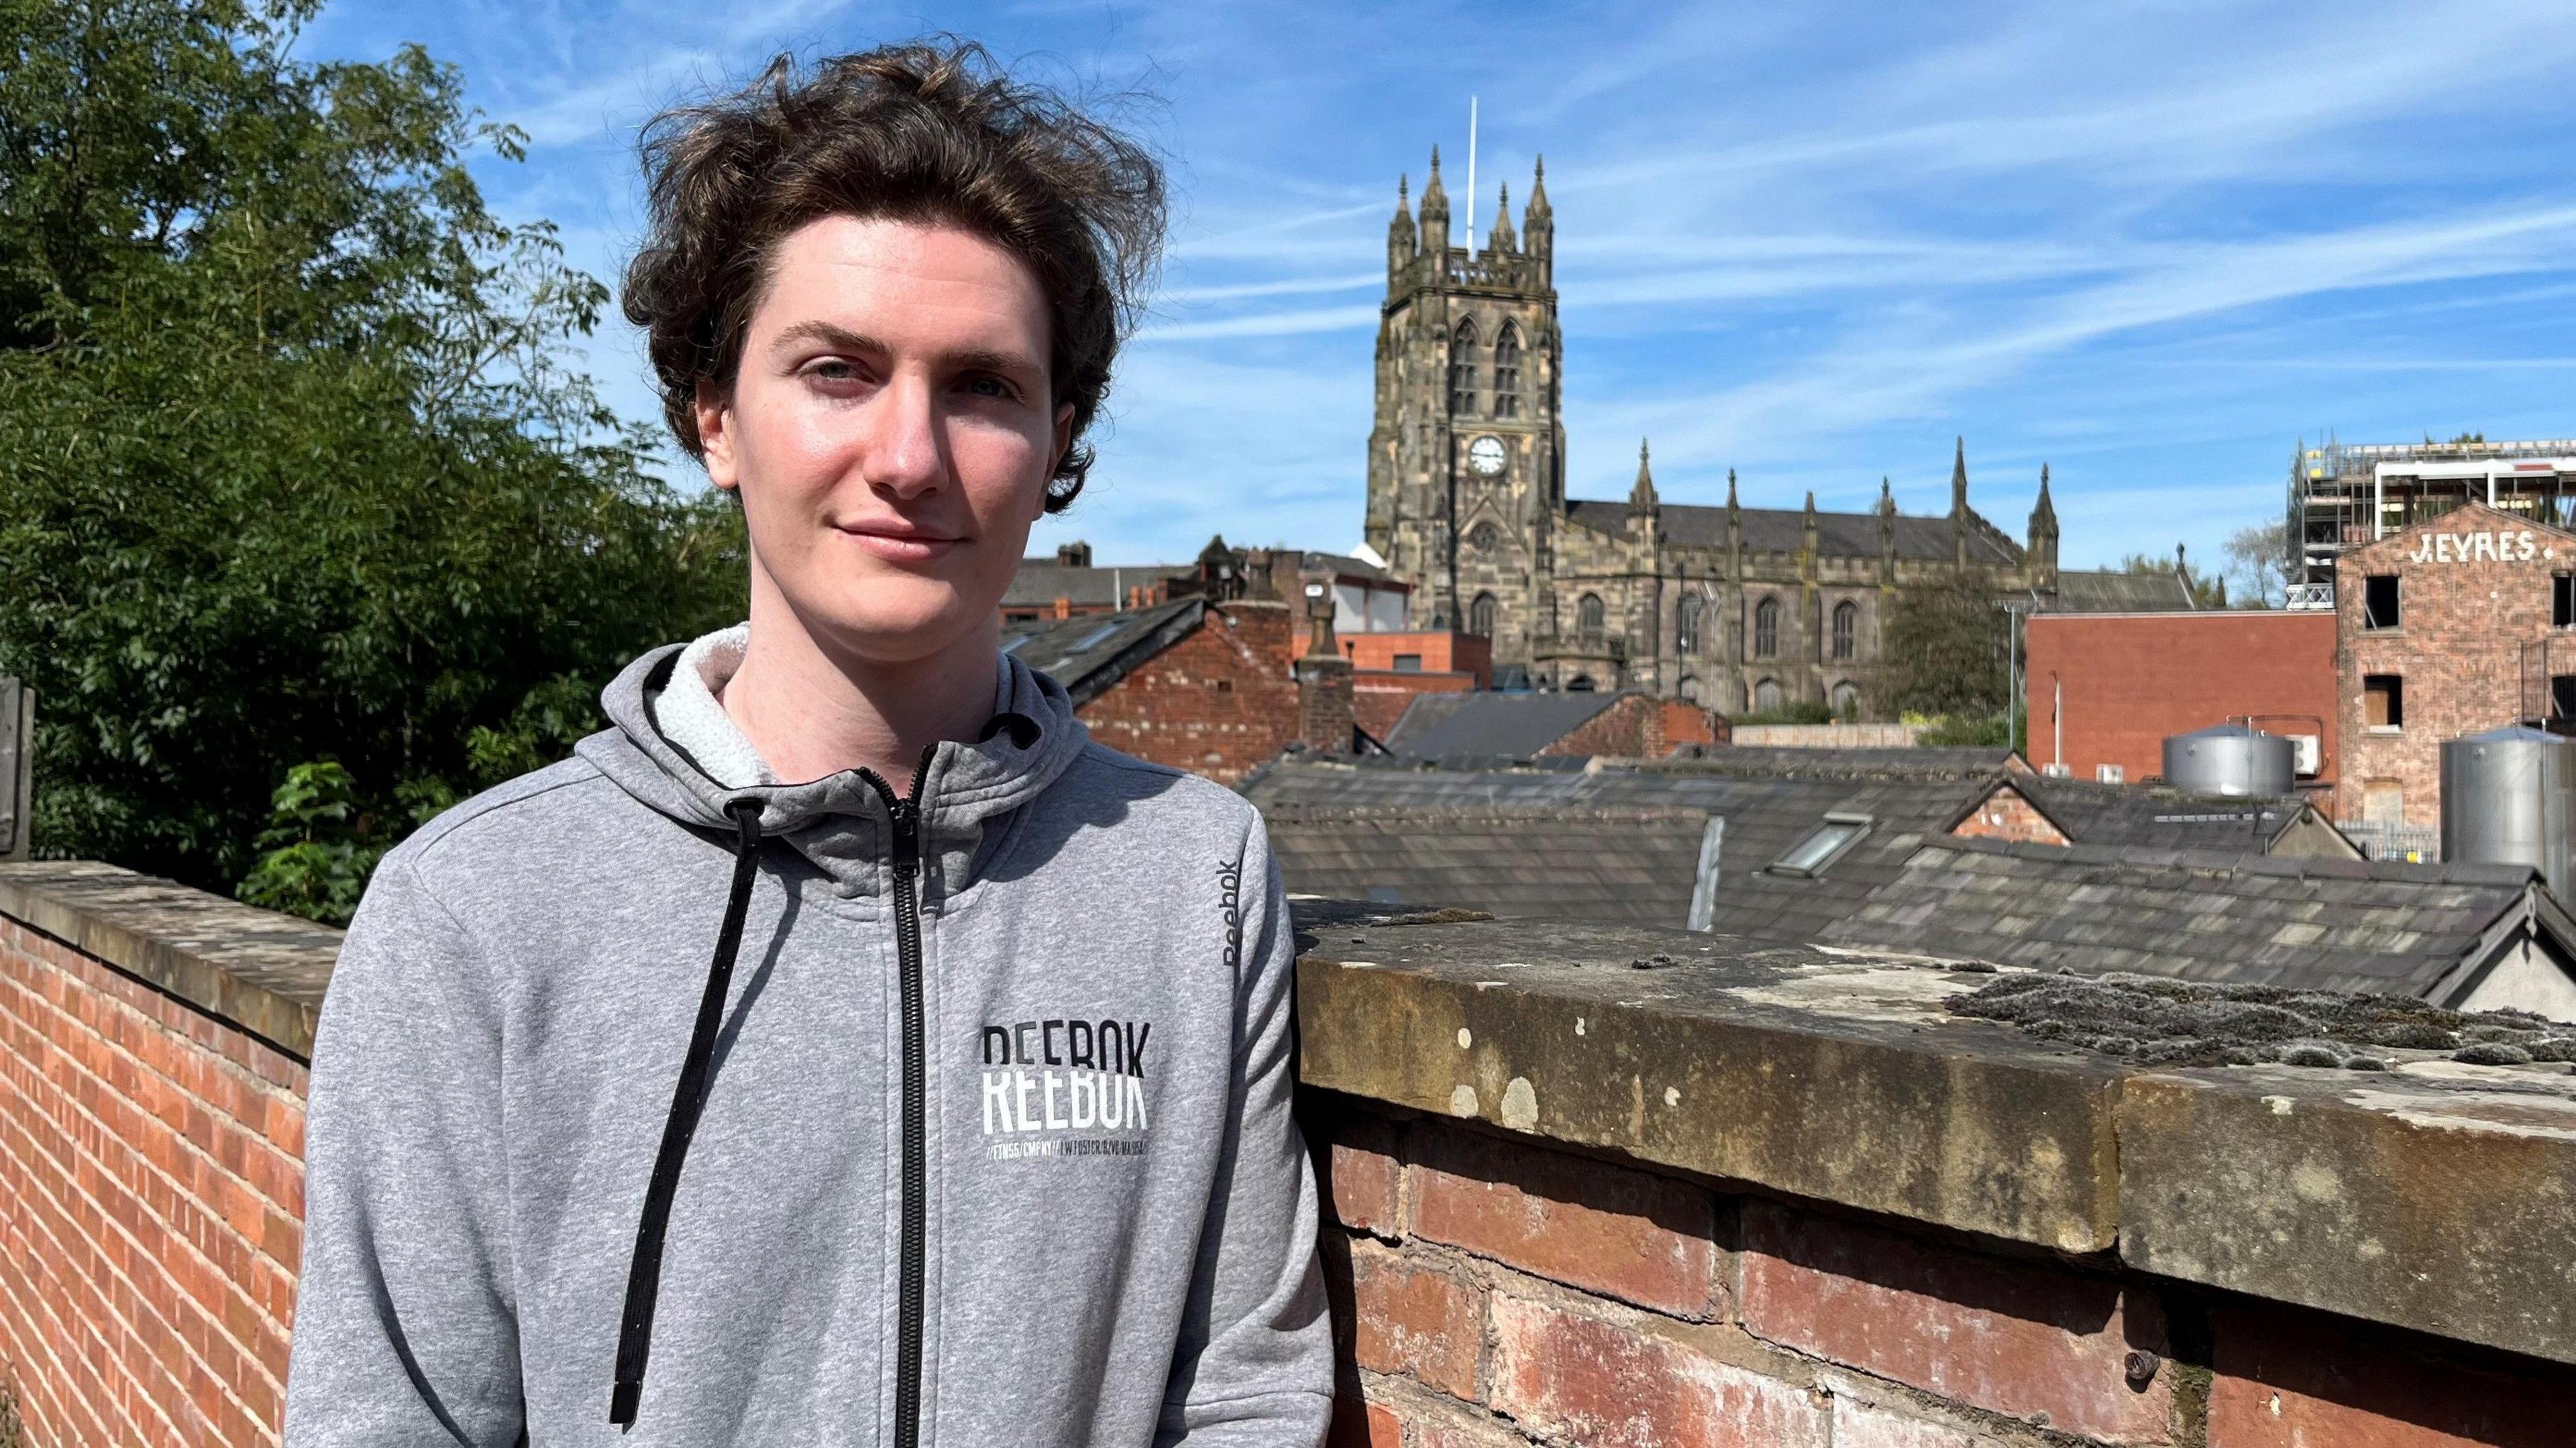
(2437, 1196)
(255, 969)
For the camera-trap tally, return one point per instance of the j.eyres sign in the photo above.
(2503, 545)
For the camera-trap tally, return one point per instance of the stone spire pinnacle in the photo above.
(1502, 238)
(1400, 242)
(1641, 498)
(1730, 487)
(1959, 479)
(1435, 210)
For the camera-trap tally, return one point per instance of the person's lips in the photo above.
(898, 541)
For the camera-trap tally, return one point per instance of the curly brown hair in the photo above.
(929, 131)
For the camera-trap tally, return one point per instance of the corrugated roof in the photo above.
(2308, 924)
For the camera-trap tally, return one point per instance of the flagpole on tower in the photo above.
(1471, 175)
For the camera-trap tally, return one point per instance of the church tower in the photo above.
(1466, 475)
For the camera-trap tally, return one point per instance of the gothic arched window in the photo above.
(1686, 625)
(1846, 629)
(1507, 373)
(1462, 368)
(1592, 616)
(1766, 697)
(1766, 632)
(1846, 698)
(1480, 616)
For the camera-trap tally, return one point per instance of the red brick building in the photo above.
(1199, 684)
(2457, 624)
(2105, 690)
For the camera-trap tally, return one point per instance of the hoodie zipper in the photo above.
(911, 1246)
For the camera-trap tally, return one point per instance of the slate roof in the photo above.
(1618, 865)
(2090, 592)
(2153, 817)
(1480, 725)
(1763, 813)
(2310, 924)
(1783, 530)
(1088, 654)
(1041, 581)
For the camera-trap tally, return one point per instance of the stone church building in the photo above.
(1743, 609)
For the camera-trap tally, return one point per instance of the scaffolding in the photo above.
(2345, 496)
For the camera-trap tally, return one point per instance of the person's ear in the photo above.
(714, 408)
(1055, 455)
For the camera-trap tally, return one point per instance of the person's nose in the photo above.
(905, 455)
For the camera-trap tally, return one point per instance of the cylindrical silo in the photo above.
(2231, 759)
(2509, 797)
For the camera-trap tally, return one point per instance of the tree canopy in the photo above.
(305, 528)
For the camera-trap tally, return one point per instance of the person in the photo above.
(840, 1047)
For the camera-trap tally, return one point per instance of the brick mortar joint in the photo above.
(257, 1140)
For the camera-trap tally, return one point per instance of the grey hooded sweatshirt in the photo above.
(989, 1140)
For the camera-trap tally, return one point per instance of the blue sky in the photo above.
(2148, 244)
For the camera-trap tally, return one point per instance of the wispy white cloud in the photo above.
(2151, 241)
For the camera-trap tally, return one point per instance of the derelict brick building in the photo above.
(2455, 625)
(1738, 608)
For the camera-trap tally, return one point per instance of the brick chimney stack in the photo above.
(1324, 719)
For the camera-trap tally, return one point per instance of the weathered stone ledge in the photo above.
(254, 969)
(2435, 1196)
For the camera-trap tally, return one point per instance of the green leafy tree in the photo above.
(290, 469)
(1947, 645)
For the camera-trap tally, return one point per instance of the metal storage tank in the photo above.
(2231, 759)
(2509, 797)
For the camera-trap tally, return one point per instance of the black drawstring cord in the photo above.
(644, 1270)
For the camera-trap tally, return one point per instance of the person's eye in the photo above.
(988, 385)
(835, 370)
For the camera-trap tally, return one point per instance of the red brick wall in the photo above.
(1489, 1291)
(151, 1201)
(1218, 703)
(2006, 815)
(2458, 645)
(1494, 1293)
(2129, 680)
(1639, 727)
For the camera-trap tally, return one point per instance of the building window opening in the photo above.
(1485, 537)
(1579, 684)
(2379, 601)
(1823, 846)
(1408, 663)
(1689, 689)
(1480, 616)
(2383, 701)
(1846, 699)
(1686, 626)
(1592, 617)
(2562, 703)
(1766, 629)
(1507, 374)
(1846, 629)
(1766, 697)
(2562, 600)
(1462, 369)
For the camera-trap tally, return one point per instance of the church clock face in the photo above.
(1485, 456)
